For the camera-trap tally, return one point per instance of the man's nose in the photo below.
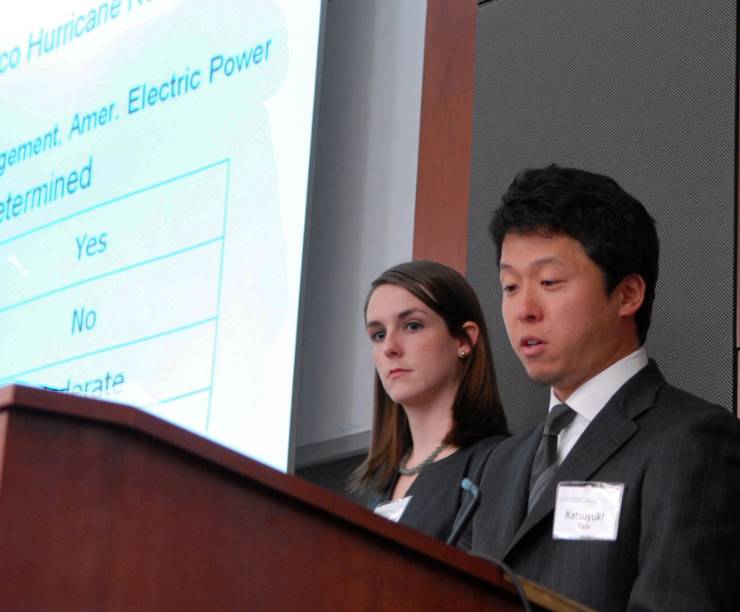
(529, 308)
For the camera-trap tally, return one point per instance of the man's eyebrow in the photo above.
(537, 263)
(401, 315)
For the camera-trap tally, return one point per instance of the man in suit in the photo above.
(628, 495)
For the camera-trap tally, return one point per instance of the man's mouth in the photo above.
(531, 346)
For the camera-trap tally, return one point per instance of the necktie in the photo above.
(546, 457)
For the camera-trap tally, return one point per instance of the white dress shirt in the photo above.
(589, 399)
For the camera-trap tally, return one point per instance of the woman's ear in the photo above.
(465, 346)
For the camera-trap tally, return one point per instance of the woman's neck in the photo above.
(429, 425)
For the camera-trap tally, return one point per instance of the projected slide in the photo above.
(154, 168)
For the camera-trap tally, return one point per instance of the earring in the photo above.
(462, 354)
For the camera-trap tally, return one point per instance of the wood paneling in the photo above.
(446, 133)
(104, 507)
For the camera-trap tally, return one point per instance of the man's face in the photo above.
(563, 326)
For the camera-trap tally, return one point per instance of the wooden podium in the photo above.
(105, 507)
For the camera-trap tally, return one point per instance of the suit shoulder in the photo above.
(486, 445)
(509, 452)
(679, 419)
(479, 453)
(684, 405)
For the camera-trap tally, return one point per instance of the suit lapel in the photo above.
(606, 434)
(509, 510)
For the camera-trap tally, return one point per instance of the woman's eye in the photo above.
(413, 326)
(377, 336)
(508, 288)
(549, 282)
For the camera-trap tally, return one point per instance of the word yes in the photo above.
(90, 246)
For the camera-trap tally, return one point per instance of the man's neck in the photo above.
(592, 395)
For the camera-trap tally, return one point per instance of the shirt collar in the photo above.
(588, 399)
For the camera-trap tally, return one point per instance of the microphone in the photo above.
(461, 522)
(466, 512)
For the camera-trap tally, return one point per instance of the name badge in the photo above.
(393, 510)
(587, 510)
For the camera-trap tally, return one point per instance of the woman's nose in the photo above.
(391, 345)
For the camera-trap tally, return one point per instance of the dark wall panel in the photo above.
(644, 92)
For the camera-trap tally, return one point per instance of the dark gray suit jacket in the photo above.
(678, 543)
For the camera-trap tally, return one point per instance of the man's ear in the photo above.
(631, 294)
(473, 332)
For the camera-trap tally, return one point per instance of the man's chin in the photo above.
(547, 379)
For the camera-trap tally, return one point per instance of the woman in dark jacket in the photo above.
(437, 412)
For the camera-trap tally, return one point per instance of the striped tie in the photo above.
(546, 458)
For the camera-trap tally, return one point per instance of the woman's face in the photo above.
(417, 359)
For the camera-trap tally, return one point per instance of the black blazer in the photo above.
(436, 496)
(678, 541)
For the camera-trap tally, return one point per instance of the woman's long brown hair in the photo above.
(476, 410)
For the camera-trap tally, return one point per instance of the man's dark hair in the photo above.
(613, 227)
